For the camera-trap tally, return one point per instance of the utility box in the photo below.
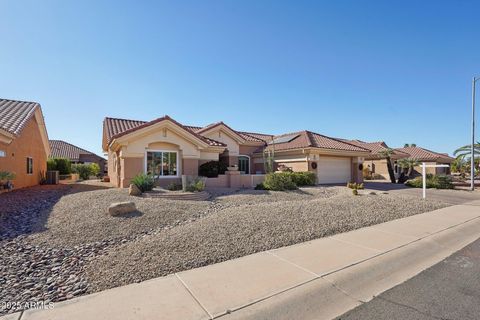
(53, 177)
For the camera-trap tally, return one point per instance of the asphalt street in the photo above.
(447, 290)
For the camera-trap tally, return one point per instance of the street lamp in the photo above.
(472, 163)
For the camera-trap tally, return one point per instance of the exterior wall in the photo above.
(418, 169)
(232, 145)
(380, 166)
(113, 174)
(28, 144)
(130, 167)
(295, 166)
(190, 167)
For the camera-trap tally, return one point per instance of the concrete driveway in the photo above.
(449, 196)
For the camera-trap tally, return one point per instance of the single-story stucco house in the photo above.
(429, 157)
(376, 162)
(24, 146)
(170, 149)
(76, 155)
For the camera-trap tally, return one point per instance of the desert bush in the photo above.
(174, 186)
(212, 169)
(260, 186)
(279, 181)
(196, 184)
(144, 182)
(6, 175)
(437, 182)
(63, 165)
(305, 178)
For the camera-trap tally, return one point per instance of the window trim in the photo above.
(249, 162)
(29, 173)
(3, 153)
(162, 177)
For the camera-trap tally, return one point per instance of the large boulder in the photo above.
(120, 208)
(133, 190)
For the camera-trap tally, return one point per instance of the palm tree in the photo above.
(387, 153)
(464, 153)
(408, 164)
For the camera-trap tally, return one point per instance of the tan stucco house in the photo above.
(24, 146)
(171, 149)
(376, 162)
(76, 155)
(430, 158)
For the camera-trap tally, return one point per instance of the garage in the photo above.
(334, 170)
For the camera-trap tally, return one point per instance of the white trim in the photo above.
(249, 162)
(162, 177)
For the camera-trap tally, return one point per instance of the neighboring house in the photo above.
(62, 149)
(429, 157)
(169, 149)
(376, 162)
(24, 146)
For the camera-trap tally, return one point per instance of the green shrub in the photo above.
(443, 182)
(63, 165)
(85, 171)
(305, 178)
(144, 182)
(438, 182)
(279, 181)
(355, 192)
(212, 169)
(94, 169)
(196, 184)
(260, 186)
(6, 175)
(174, 186)
(51, 164)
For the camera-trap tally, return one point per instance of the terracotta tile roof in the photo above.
(376, 148)
(62, 149)
(248, 136)
(14, 115)
(422, 154)
(308, 139)
(115, 127)
(251, 136)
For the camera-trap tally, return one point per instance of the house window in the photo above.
(29, 165)
(244, 164)
(161, 163)
(3, 154)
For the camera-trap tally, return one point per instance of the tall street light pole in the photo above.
(472, 164)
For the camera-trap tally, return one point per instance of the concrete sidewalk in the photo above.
(320, 279)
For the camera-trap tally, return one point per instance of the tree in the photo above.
(464, 154)
(387, 154)
(406, 145)
(409, 164)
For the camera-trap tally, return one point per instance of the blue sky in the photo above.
(372, 70)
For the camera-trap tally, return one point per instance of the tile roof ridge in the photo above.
(338, 140)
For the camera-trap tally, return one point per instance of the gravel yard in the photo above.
(56, 242)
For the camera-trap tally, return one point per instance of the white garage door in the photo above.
(334, 170)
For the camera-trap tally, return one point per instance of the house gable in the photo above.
(135, 143)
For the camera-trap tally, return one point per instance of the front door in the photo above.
(244, 164)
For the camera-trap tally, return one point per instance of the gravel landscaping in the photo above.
(57, 242)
